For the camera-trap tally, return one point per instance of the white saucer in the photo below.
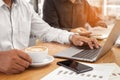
(48, 60)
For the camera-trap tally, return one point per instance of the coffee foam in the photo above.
(36, 49)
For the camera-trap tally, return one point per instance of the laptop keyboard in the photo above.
(87, 53)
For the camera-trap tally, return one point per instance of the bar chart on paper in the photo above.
(100, 72)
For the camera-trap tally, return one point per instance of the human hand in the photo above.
(101, 24)
(82, 31)
(14, 61)
(78, 40)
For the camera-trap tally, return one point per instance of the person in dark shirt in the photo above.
(71, 15)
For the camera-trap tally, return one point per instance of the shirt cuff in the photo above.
(71, 35)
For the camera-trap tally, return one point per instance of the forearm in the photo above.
(57, 35)
(46, 33)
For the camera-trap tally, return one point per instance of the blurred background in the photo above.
(108, 9)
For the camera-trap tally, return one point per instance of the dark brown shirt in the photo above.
(66, 15)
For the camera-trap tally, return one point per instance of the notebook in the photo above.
(89, 55)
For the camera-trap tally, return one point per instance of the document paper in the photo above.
(99, 72)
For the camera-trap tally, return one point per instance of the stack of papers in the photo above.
(109, 71)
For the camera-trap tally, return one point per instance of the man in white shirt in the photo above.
(18, 21)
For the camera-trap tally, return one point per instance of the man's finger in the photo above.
(24, 56)
(13, 71)
(22, 62)
(89, 42)
(85, 33)
(96, 43)
(19, 67)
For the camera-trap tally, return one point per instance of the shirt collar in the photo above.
(2, 2)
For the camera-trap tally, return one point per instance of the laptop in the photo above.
(85, 54)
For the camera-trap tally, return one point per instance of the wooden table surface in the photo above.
(113, 56)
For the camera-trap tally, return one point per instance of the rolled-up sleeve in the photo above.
(44, 32)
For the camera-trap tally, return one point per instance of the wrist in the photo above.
(71, 36)
(75, 30)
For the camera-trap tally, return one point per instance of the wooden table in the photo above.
(38, 73)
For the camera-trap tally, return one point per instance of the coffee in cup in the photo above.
(37, 53)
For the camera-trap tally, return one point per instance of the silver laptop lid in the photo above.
(114, 34)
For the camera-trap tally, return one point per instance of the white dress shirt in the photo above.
(17, 23)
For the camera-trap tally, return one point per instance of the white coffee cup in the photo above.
(37, 53)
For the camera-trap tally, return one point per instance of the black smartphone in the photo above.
(75, 66)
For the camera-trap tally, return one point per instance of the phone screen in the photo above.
(75, 66)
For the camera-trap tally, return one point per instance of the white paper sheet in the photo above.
(116, 72)
(100, 72)
(100, 32)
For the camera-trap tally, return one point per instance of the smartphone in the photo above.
(75, 66)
